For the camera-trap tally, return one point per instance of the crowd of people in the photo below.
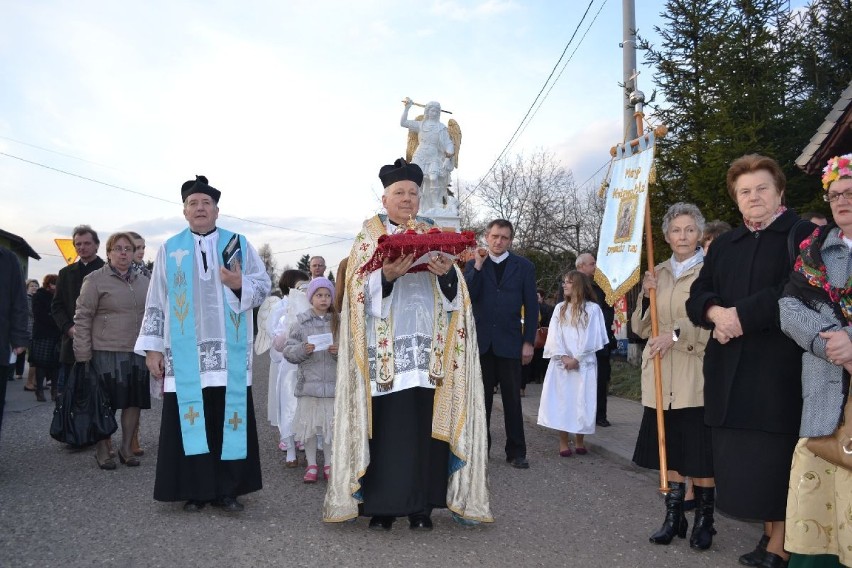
(391, 369)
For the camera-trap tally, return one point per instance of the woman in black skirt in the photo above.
(752, 371)
(680, 345)
(44, 348)
(106, 323)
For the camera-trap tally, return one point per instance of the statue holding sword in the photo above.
(435, 148)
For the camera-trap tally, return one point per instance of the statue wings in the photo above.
(412, 142)
(455, 136)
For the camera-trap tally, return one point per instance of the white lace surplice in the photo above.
(569, 398)
(412, 299)
(209, 295)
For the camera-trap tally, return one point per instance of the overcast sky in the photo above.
(288, 107)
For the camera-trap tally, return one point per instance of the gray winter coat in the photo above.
(822, 382)
(317, 374)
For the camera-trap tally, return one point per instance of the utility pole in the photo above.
(628, 57)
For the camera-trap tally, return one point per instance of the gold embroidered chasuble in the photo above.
(459, 410)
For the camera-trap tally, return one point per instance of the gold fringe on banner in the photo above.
(622, 289)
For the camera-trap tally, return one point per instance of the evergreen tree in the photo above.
(739, 77)
(304, 264)
(686, 73)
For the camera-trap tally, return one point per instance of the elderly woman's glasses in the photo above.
(832, 196)
(119, 250)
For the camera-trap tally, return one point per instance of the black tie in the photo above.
(203, 255)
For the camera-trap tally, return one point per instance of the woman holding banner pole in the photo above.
(680, 345)
(752, 371)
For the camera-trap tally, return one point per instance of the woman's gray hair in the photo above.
(681, 208)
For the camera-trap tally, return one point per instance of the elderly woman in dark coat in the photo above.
(752, 371)
(817, 313)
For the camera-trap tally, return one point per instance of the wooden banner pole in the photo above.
(655, 331)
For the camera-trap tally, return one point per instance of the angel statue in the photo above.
(435, 148)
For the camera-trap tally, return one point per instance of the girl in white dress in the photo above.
(569, 394)
(283, 397)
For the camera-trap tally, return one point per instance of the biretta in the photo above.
(400, 170)
(199, 185)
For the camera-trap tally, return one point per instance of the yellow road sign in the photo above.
(66, 247)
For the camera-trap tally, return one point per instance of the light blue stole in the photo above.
(186, 355)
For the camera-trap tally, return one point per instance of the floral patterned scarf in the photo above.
(758, 226)
(809, 281)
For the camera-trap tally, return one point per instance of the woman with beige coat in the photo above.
(680, 345)
(107, 320)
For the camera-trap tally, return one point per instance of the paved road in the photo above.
(58, 509)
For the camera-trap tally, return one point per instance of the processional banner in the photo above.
(620, 248)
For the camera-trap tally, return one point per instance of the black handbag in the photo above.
(83, 414)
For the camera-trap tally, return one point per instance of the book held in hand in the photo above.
(233, 253)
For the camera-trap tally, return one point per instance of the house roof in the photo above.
(19, 245)
(833, 137)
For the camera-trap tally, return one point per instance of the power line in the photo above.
(340, 240)
(55, 152)
(170, 201)
(529, 110)
(591, 177)
(564, 65)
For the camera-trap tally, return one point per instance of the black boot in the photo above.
(675, 521)
(702, 528)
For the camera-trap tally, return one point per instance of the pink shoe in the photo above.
(310, 474)
(300, 446)
(282, 445)
(326, 472)
(581, 451)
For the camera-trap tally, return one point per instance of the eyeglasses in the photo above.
(831, 196)
(119, 250)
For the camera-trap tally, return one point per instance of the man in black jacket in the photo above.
(14, 336)
(68, 287)
(586, 263)
(501, 283)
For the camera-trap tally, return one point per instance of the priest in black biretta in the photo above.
(409, 428)
(201, 185)
(400, 170)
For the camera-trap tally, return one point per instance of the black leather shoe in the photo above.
(420, 523)
(755, 557)
(193, 506)
(519, 463)
(228, 504)
(379, 523)
(603, 423)
(771, 560)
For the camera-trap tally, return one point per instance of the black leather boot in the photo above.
(702, 528)
(675, 521)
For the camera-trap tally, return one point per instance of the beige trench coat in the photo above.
(682, 373)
